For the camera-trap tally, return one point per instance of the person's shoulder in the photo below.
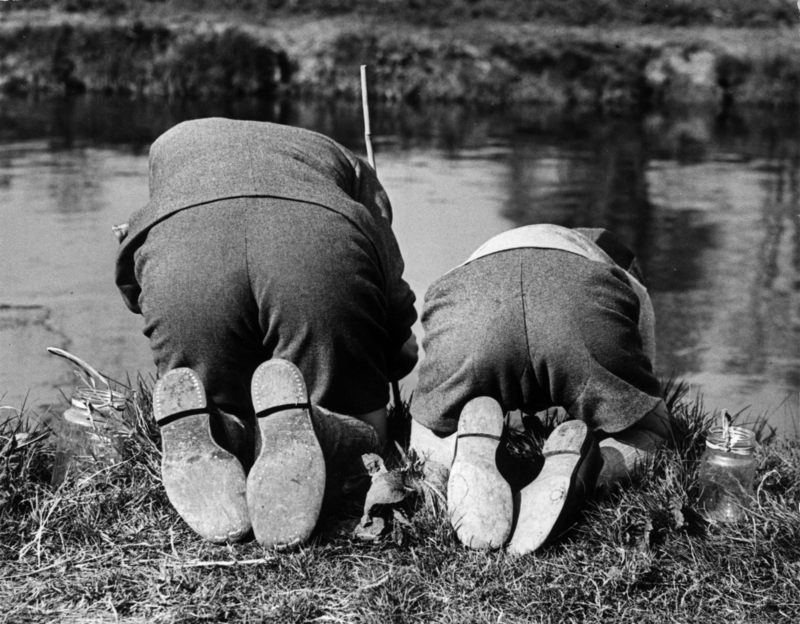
(197, 127)
(210, 128)
(296, 132)
(309, 142)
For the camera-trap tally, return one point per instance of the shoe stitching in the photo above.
(301, 396)
(159, 398)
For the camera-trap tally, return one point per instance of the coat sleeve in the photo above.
(402, 314)
(368, 190)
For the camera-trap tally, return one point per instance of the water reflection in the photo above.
(710, 204)
(590, 181)
(732, 208)
(72, 181)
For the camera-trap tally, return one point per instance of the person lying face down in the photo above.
(271, 287)
(539, 316)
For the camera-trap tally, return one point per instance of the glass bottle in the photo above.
(727, 474)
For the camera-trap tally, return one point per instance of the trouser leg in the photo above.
(232, 284)
(317, 284)
(435, 450)
(237, 436)
(199, 312)
(632, 449)
(344, 440)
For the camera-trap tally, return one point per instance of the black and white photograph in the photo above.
(408, 311)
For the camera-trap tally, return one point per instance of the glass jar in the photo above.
(727, 474)
(91, 435)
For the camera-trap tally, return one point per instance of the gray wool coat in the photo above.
(203, 161)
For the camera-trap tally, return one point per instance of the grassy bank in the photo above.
(112, 549)
(741, 13)
(186, 50)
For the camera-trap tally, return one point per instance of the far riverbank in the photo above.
(621, 68)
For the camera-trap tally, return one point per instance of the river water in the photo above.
(710, 203)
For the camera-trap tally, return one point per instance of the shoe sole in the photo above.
(205, 483)
(571, 465)
(479, 500)
(286, 484)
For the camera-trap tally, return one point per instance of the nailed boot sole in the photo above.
(286, 484)
(204, 483)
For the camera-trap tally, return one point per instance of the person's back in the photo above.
(209, 159)
(265, 243)
(540, 316)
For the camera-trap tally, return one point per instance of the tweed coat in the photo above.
(535, 322)
(208, 160)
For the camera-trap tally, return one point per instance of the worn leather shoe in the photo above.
(205, 483)
(479, 499)
(572, 462)
(286, 484)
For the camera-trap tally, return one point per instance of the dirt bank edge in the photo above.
(488, 64)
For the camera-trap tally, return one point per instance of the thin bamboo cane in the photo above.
(371, 159)
(367, 130)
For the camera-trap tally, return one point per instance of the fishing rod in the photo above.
(367, 131)
(371, 160)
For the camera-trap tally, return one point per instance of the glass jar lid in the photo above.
(731, 440)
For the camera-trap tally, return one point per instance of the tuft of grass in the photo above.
(113, 549)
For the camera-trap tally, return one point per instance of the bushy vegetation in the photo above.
(613, 70)
(442, 12)
(111, 548)
(134, 58)
(615, 56)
